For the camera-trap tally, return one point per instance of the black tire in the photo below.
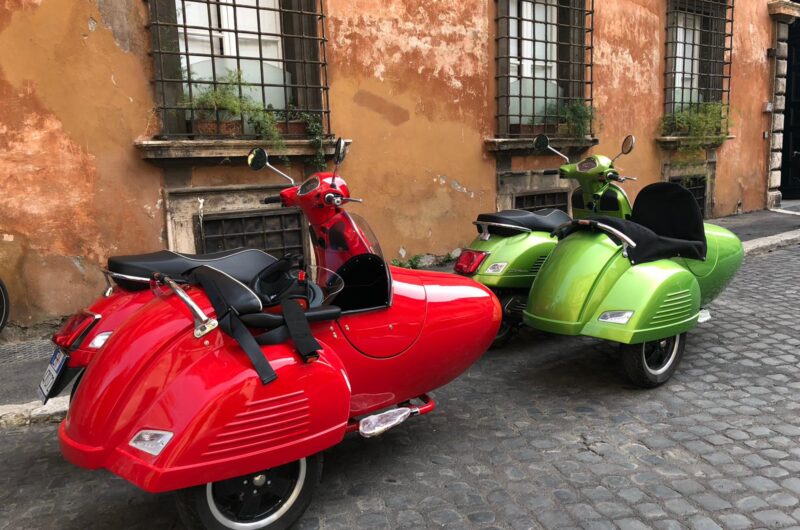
(275, 509)
(506, 333)
(652, 364)
(5, 305)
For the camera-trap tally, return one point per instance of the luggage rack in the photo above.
(203, 324)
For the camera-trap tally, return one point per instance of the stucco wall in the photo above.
(74, 94)
(411, 85)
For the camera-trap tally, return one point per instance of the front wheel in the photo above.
(272, 499)
(652, 364)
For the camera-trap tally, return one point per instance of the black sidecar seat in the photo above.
(538, 221)
(242, 264)
(666, 223)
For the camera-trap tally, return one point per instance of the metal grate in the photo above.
(544, 68)
(698, 185)
(279, 233)
(247, 68)
(557, 200)
(698, 72)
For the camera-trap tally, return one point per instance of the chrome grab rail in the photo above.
(484, 226)
(627, 242)
(203, 324)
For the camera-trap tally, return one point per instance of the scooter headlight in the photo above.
(151, 442)
(616, 317)
(496, 268)
(99, 341)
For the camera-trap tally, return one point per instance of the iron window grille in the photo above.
(557, 200)
(698, 185)
(698, 70)
(278, 232)
(544, 68)
(239, 67)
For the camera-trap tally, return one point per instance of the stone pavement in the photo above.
(545, 433)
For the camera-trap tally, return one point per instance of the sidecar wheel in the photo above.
(652, 364)
(273, 499)
(506, 333)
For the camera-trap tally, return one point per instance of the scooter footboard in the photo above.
(648, 302)
(221, 422)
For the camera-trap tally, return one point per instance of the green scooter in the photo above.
(641, 278)
(512, 245)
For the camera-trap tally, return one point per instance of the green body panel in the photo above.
(525, 254)
(587, 275)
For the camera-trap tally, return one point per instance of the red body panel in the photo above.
(154, 374)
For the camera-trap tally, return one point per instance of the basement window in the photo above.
(698, 70)
(544, 65)
(240, 68)
(557, 200)
(278, 232)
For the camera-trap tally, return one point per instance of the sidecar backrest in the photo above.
(670, 210)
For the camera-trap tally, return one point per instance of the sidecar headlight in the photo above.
(616, 317)
(151, 442)
(496, 268)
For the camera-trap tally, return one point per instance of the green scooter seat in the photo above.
(510, 222)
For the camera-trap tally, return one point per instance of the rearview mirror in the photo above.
(541, 142)
(341, 151)
(628, 144)
(257, 159)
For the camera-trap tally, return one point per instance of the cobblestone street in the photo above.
(545, 433)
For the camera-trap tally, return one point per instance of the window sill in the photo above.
(675, 143)
(211, 150)
(525, 145)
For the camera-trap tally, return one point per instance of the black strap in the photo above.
(230, 323)
(299, 330)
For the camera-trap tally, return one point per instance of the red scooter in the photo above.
(224, 377)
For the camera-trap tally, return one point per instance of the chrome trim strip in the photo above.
(500, 225)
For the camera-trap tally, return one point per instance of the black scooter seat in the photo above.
(538, 221)
(241, 264)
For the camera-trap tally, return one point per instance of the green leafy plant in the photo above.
(316, 134)
(700, 125)
(228, 101)
(578, 118)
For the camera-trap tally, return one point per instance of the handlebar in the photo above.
(274, 199)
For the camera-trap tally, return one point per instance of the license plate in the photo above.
(57, 363)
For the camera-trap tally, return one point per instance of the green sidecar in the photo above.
(642, 282)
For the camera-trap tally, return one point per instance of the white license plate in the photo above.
(57, 363)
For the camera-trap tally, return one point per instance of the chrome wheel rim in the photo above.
(659, 355)
(256, 500)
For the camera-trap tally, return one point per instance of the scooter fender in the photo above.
(522, 255)
(663, 296)
(224, 422)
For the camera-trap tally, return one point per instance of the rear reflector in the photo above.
(469, 261)
(75, 329)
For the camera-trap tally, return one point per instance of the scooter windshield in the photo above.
(328, 282)
(368, 235)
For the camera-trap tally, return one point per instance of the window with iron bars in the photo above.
(698, 70)
(245, 68)
(544, 68)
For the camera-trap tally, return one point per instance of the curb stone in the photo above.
(56, 408)
(34, 412)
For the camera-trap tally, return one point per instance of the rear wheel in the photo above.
(272, 499)
(4, 305)
(652, 364)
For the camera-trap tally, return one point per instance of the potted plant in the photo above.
(698, 126)
(575, 120)
(227, 103)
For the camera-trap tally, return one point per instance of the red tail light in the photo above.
(75, 329)
(469, 261)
